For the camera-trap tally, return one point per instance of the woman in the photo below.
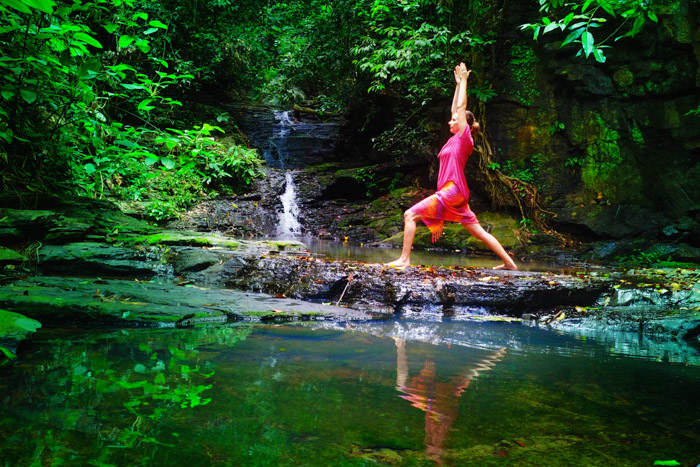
(450, 203)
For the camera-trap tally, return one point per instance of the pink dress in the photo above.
(451, 202)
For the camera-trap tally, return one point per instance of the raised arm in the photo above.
(459, 101)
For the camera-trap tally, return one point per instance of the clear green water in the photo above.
(400, 392)
(444, 258)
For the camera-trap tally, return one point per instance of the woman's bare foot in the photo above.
(399, 263)
(511, 266)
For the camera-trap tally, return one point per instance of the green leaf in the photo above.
(7, 93)
(111, 27)
(81, 36)
(17, 5)
(144, 105)
(125, 41)
(150, 160)
(587, 41)
(90, 168)
(131, 86)
(598, 54)
(671, 462)
(157, 24)
(167, 162)
(586, 4)
(7, 353)
(45, 6)
(150, 31)
(550, 27)
(574, 35)
(27, 95)
(652, 16)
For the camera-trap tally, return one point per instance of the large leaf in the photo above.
(81, 36)
(17, 5)
(587, 41)
(144, 105)
(157, 24)
(598, 54)
(45, 6)
(131, 86)
(167, 162)
(7, 93)
(574, 35)
(27, 95)
(125, 41)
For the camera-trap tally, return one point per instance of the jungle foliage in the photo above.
(92, 91)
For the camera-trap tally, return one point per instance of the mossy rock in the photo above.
(8, 256)
(15, 325)
(176, 238)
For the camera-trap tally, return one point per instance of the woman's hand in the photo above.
(458, 76)
(463, 72)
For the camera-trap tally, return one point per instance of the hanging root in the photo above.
(513, 192)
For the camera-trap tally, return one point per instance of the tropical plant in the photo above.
(84, 99)
(582, 20)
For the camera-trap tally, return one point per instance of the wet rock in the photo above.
(8, 256)
(128, 303)
(88, 258)
(383, 289)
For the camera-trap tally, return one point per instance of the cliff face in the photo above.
(611, 145)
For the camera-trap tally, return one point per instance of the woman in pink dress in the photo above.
(451, 202)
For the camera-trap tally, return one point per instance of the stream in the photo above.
(406, 388)
(400, 392)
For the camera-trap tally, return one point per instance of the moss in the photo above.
(623, 77)
(15, 325)
(603, 153)
(637, 135)
(522, 68)
(10, 256)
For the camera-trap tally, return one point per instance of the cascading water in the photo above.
(289, 225)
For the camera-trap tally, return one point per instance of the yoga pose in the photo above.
(451, 202)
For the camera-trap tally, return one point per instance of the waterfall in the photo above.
(289, 225)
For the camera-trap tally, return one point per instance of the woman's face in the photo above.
(454, 124)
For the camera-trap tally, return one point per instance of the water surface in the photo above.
(394, 393)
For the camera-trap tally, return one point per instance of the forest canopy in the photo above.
(92, 91)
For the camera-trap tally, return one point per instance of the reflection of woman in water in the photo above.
(439, 401)
(451, 202)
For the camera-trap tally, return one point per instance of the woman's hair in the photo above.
(474, 126)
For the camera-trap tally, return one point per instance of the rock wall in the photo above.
(611, 145)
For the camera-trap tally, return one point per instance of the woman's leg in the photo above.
(409, 233)
(477, 231)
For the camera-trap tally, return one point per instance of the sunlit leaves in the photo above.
(590, 15)
(81, 36)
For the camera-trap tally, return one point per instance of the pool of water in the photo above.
(395, 393)
(359, 252)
